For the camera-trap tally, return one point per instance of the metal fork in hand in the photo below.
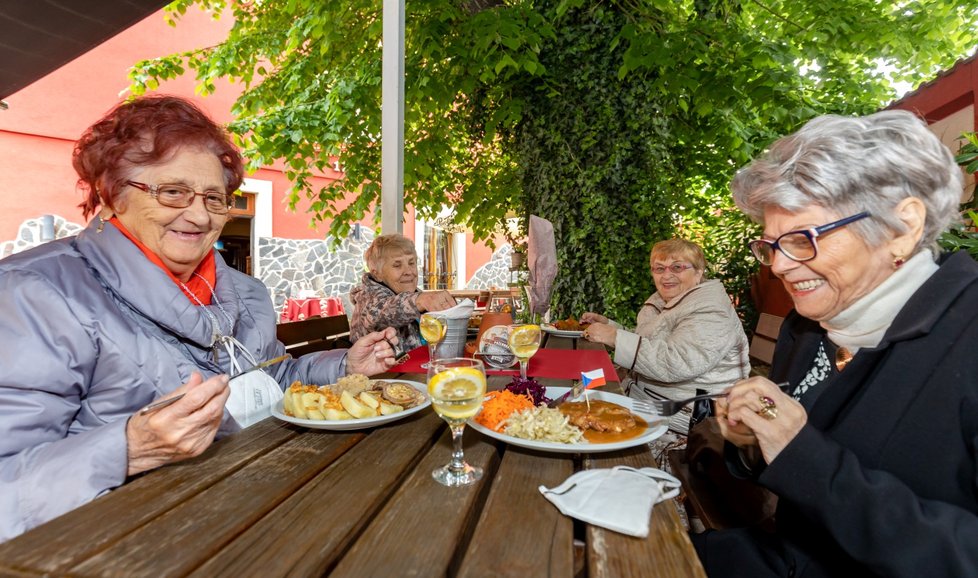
(670, 407)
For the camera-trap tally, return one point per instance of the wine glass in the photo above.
(524, 341)
(433, 328)
(456, 386)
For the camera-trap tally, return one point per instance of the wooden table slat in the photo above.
(666, 552)
(423, 525)
(519, 532)
(354, 487)
(54, 546)
(197, 528)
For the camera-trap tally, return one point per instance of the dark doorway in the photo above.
(234, 244)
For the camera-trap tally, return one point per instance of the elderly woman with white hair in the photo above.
(872, 451)
(388, 295)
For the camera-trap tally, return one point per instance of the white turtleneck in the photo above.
(863, 323)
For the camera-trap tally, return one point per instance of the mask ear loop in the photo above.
(232, 345)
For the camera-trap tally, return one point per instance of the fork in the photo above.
(670, 407)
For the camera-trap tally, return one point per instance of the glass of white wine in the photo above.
(433, 328)
(524, 341)
(456, 386)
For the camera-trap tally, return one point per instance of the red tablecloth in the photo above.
(554, 363)
(299, 309)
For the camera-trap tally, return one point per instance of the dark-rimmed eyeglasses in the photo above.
(180, 196)
(798, 245)
(675, 268)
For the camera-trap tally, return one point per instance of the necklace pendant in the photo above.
(842, 358)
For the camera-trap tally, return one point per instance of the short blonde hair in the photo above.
(385, 247)
(680, 249)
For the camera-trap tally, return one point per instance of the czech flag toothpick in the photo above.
(593, 378)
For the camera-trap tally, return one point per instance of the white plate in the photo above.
(363, 423)
(657, 427)
(548, 328)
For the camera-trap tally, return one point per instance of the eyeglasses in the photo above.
(798, 245)
(182, 196)
(675, 268)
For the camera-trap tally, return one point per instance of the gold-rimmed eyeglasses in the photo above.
(180, 196)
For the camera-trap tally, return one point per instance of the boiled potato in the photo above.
(336, 414)
(389, 408)
(369, 400)
(287, 403)
(298, 408)
(356, 409)
(309, 405)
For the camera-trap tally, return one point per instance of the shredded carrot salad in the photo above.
(499, 405)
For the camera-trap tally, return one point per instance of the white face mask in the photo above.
(619, 499)
(252, 394)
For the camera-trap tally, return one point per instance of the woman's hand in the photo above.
(592, 317)
(372, 353)
(601, 333)
(773, 431)
(738, 434)
(434, 301)
(180, 431)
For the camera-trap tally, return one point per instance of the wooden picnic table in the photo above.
(282, 500)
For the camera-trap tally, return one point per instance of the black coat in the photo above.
(883, 477)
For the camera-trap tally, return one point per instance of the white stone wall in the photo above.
(29, 235)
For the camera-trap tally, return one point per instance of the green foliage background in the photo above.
(620, 120)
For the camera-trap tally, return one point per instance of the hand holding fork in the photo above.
(670, 407)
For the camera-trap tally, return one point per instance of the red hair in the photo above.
(146, 131)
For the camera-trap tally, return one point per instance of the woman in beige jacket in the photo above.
(688, 336)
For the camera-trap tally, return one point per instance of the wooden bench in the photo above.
(762, 343)
(314, 334)
(698, 496)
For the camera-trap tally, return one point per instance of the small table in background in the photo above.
(299, 309)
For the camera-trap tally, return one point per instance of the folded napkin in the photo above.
(618, 499)
(463, 310)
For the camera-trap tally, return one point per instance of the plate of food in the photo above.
(569, 327)
(609, 424)
(354, 402)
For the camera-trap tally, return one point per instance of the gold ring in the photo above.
(770, 409)
(585, 335)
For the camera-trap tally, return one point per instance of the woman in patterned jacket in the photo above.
(388, 295)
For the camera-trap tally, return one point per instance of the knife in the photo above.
(263, 364)
(576, 390)
(172, 400)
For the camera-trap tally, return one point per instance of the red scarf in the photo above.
(197, 286)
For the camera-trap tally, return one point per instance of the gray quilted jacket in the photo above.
(91, 331)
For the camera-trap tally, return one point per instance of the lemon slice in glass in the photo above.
(524, 340)
(432, 328)
(456, 393)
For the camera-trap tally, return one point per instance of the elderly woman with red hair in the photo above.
(136, 308)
